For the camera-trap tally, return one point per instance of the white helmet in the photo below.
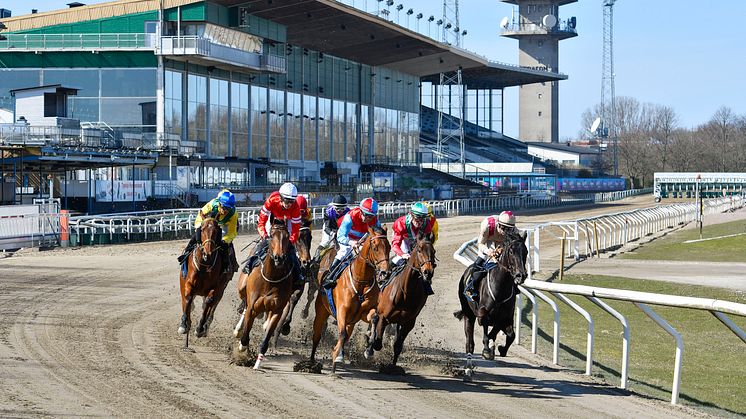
(506, 218)
(288, 191)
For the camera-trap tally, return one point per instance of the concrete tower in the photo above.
(538, 28)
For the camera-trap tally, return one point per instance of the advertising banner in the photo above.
(382, 181)
(589, 184)
(122, 190)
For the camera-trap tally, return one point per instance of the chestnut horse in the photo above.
(356, 295)
(404, 297)
(266, 289)
(303, 247)
(497, 293)
(204, 276)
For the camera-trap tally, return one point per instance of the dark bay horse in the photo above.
(303, 247)
(204, 276)
(497, 293)
(404, 297)
(356, 294)
(314, 270)
(266, 289)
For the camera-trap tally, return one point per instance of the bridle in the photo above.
(201, 247)
(430, 260)
(271, 255)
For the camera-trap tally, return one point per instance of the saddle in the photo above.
(255, 260)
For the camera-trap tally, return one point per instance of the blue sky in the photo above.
(690, 55)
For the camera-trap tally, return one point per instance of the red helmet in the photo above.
(369, 206)
(302, 202)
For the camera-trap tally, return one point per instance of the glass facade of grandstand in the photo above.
(255, 127)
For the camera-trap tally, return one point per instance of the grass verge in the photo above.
(672, 246)
(713, 372)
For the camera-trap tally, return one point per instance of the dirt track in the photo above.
(92, 331)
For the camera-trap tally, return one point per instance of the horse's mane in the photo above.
(378, 230)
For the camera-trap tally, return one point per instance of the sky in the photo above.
(689, 55)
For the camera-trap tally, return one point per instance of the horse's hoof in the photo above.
(236, 333)
(241, 348)
(285, 329)
(182, 330)
(201, 333)
(368, 353)
(339, 359)
(259, 359)
(503, 350)
(304, 314)
(187, 349)
(378, 344)
(488, 354)
(468, 375)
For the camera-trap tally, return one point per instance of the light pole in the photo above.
(698, 202)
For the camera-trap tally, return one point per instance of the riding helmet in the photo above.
(419, 210)
(288, 191)
(339, 201)
(227, 199)
(506, 218)
(369, 206)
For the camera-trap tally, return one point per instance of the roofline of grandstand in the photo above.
(563, 147)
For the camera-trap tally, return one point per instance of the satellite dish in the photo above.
(504, 22)
(549, 21)
(595, 125)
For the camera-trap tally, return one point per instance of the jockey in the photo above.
(281, 205)
(432, 221)
(305, 214)
(489, 245)
(332, 214)
(406, 228)
(223, 210)
(352, 228)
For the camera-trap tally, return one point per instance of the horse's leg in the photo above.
(338, 355)
(488, 340)
(218, 295)
(287, 314)
(401, 334)
(207, 303)
(380, 327)
(274, 319)
(469, 333)
(374, 321)
(312, 288)
(186, 321)
(319, 323)
(509, 338)
(249, 316)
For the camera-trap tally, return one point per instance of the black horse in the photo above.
(497, 292)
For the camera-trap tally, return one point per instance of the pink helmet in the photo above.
(506, 218)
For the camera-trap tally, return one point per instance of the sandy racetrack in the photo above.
(92, 331)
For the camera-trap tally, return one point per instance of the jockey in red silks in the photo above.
(352, 228)
(406, 228)
(492, 232)
(305, 214)
(281, 205)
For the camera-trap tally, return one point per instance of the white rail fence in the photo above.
(619, 228)
(169, 224)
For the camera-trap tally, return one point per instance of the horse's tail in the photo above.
(459, 314)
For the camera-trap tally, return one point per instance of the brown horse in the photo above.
(266, 289)
(303, 247)
(203, 277)
(404, 297)
(356, 295)
(497, 293)
(314, 270)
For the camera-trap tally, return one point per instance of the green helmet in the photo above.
(419, 210)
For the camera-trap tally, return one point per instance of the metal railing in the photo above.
(197, 45)
(643, 222)
(77, 42)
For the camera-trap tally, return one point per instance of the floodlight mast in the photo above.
(608, 100)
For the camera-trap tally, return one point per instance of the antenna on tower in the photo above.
(608, 128)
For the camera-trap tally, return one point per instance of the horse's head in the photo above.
(376, 252)
(303, 246)
(423, 256)
(210, 238)
(279, 241)
(514, 255)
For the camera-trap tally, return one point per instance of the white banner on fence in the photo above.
(122, 190)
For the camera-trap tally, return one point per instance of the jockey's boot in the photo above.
(187, 250)
(470, 292)
(330, 276)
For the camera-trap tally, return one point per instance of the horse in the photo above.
(314, 270)
(401, 301)
(303, 247)
(266, 289)
(356, 295)
(497, 292)
(203, 276)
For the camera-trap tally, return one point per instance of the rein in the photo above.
(195, 261)
(261, 268)
(368, 262)
(501, 265)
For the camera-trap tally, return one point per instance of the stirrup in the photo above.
(471, 296)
